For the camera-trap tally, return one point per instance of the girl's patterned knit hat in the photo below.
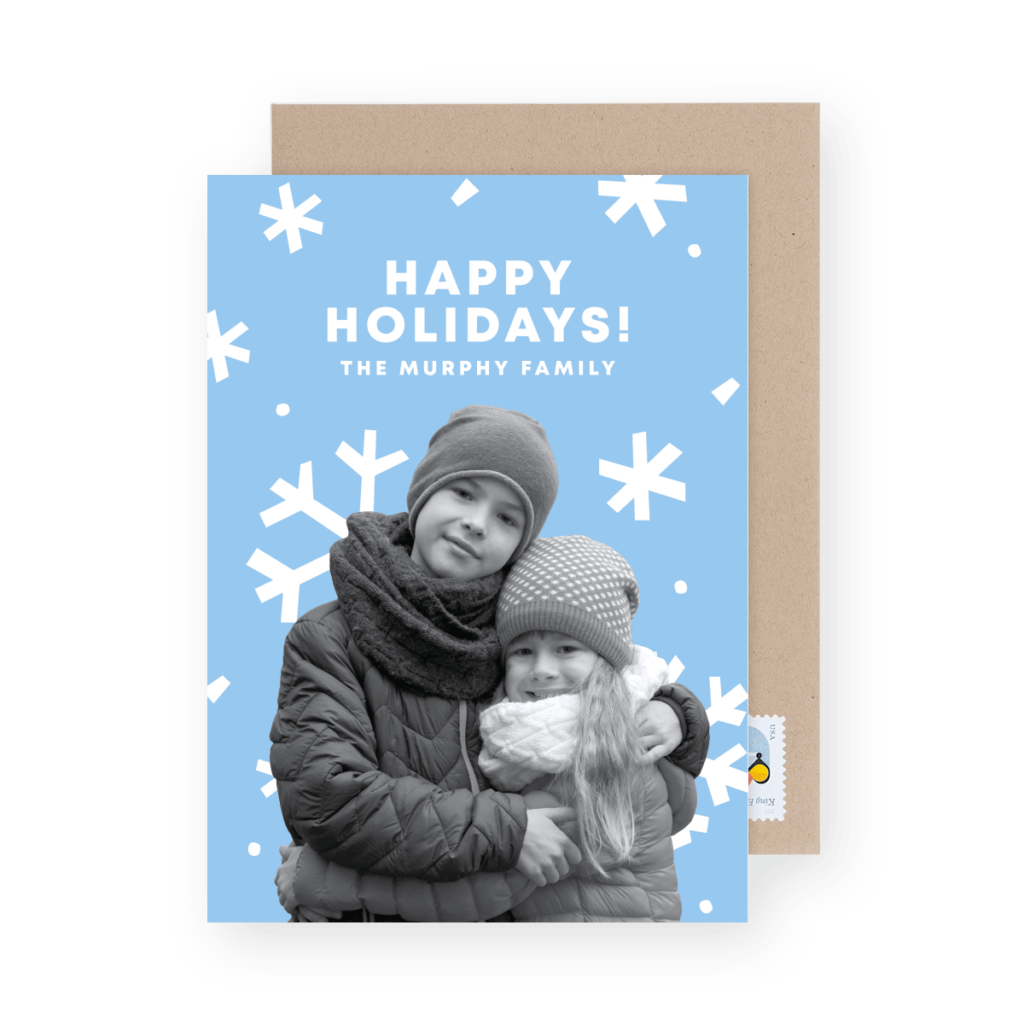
(482, 440)
(576, 586)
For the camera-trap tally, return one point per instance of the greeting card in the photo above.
(598, 320)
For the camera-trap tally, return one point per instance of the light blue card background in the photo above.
(687, 335)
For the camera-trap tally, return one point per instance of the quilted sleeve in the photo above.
(692, 752)
(682, 793)
(331, 889)
(335, 798)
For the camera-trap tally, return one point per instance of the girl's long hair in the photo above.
(602, 775)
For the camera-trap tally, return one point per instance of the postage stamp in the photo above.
(766, 768)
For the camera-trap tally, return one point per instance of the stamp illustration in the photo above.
(766, 768)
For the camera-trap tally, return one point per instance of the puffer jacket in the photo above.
(645, 890)
(378, 776)
(645, 887)
(381, 778)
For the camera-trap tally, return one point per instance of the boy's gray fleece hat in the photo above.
(482, 440)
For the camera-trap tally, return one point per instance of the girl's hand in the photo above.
(660, 731)
(285, 877)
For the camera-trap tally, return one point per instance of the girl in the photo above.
(565, 732)
(562, 732)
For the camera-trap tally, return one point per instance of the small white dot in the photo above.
(705, 906)
(283, 410)
(694, 251)
(254, 851)
(680, 586)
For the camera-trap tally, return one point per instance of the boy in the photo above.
(376, 738)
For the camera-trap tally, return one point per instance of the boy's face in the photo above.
(544, 664)
(468, 529)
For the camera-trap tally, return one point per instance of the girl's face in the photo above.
(544, 664)
(468, 529)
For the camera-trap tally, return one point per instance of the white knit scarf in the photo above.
(522, 742)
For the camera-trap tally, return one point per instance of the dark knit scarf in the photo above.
(436, 635)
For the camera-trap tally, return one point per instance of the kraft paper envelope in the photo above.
(776, 146)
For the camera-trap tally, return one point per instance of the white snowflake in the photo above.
(300, 499)
(699, 824)
(291, 218)
(720, 776)
(640, 190)
(643, 477)
(465, 191)
(725, 709)
(271, 786)
(725, 391)
(368, 466)
(219, 347)
(284, 581)
(216, 688)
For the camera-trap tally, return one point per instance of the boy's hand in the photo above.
(285, 877)
(660, 731)
(547, 851)
(542, 798)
